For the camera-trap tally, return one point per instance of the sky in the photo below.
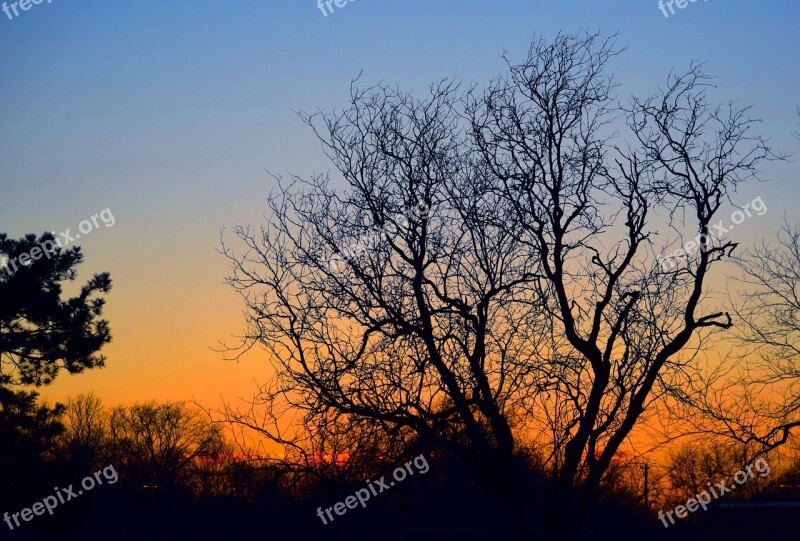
(170, 114)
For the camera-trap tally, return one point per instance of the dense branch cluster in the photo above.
(527, 299)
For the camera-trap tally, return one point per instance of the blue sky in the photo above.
(169, 113)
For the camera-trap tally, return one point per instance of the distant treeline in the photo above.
(182, 476)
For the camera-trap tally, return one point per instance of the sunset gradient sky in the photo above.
(169, 113)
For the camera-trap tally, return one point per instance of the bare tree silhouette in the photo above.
(758, 405)
(515, 275)
(160, 443)
(770, 331)
(86, 430)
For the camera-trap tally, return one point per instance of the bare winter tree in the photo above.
(760, 405)
(86, 425)
(587, 210)
(417, 331)
(770, 334)
(159, 443)
(693, 465)
(492, 256)
(770, 310)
